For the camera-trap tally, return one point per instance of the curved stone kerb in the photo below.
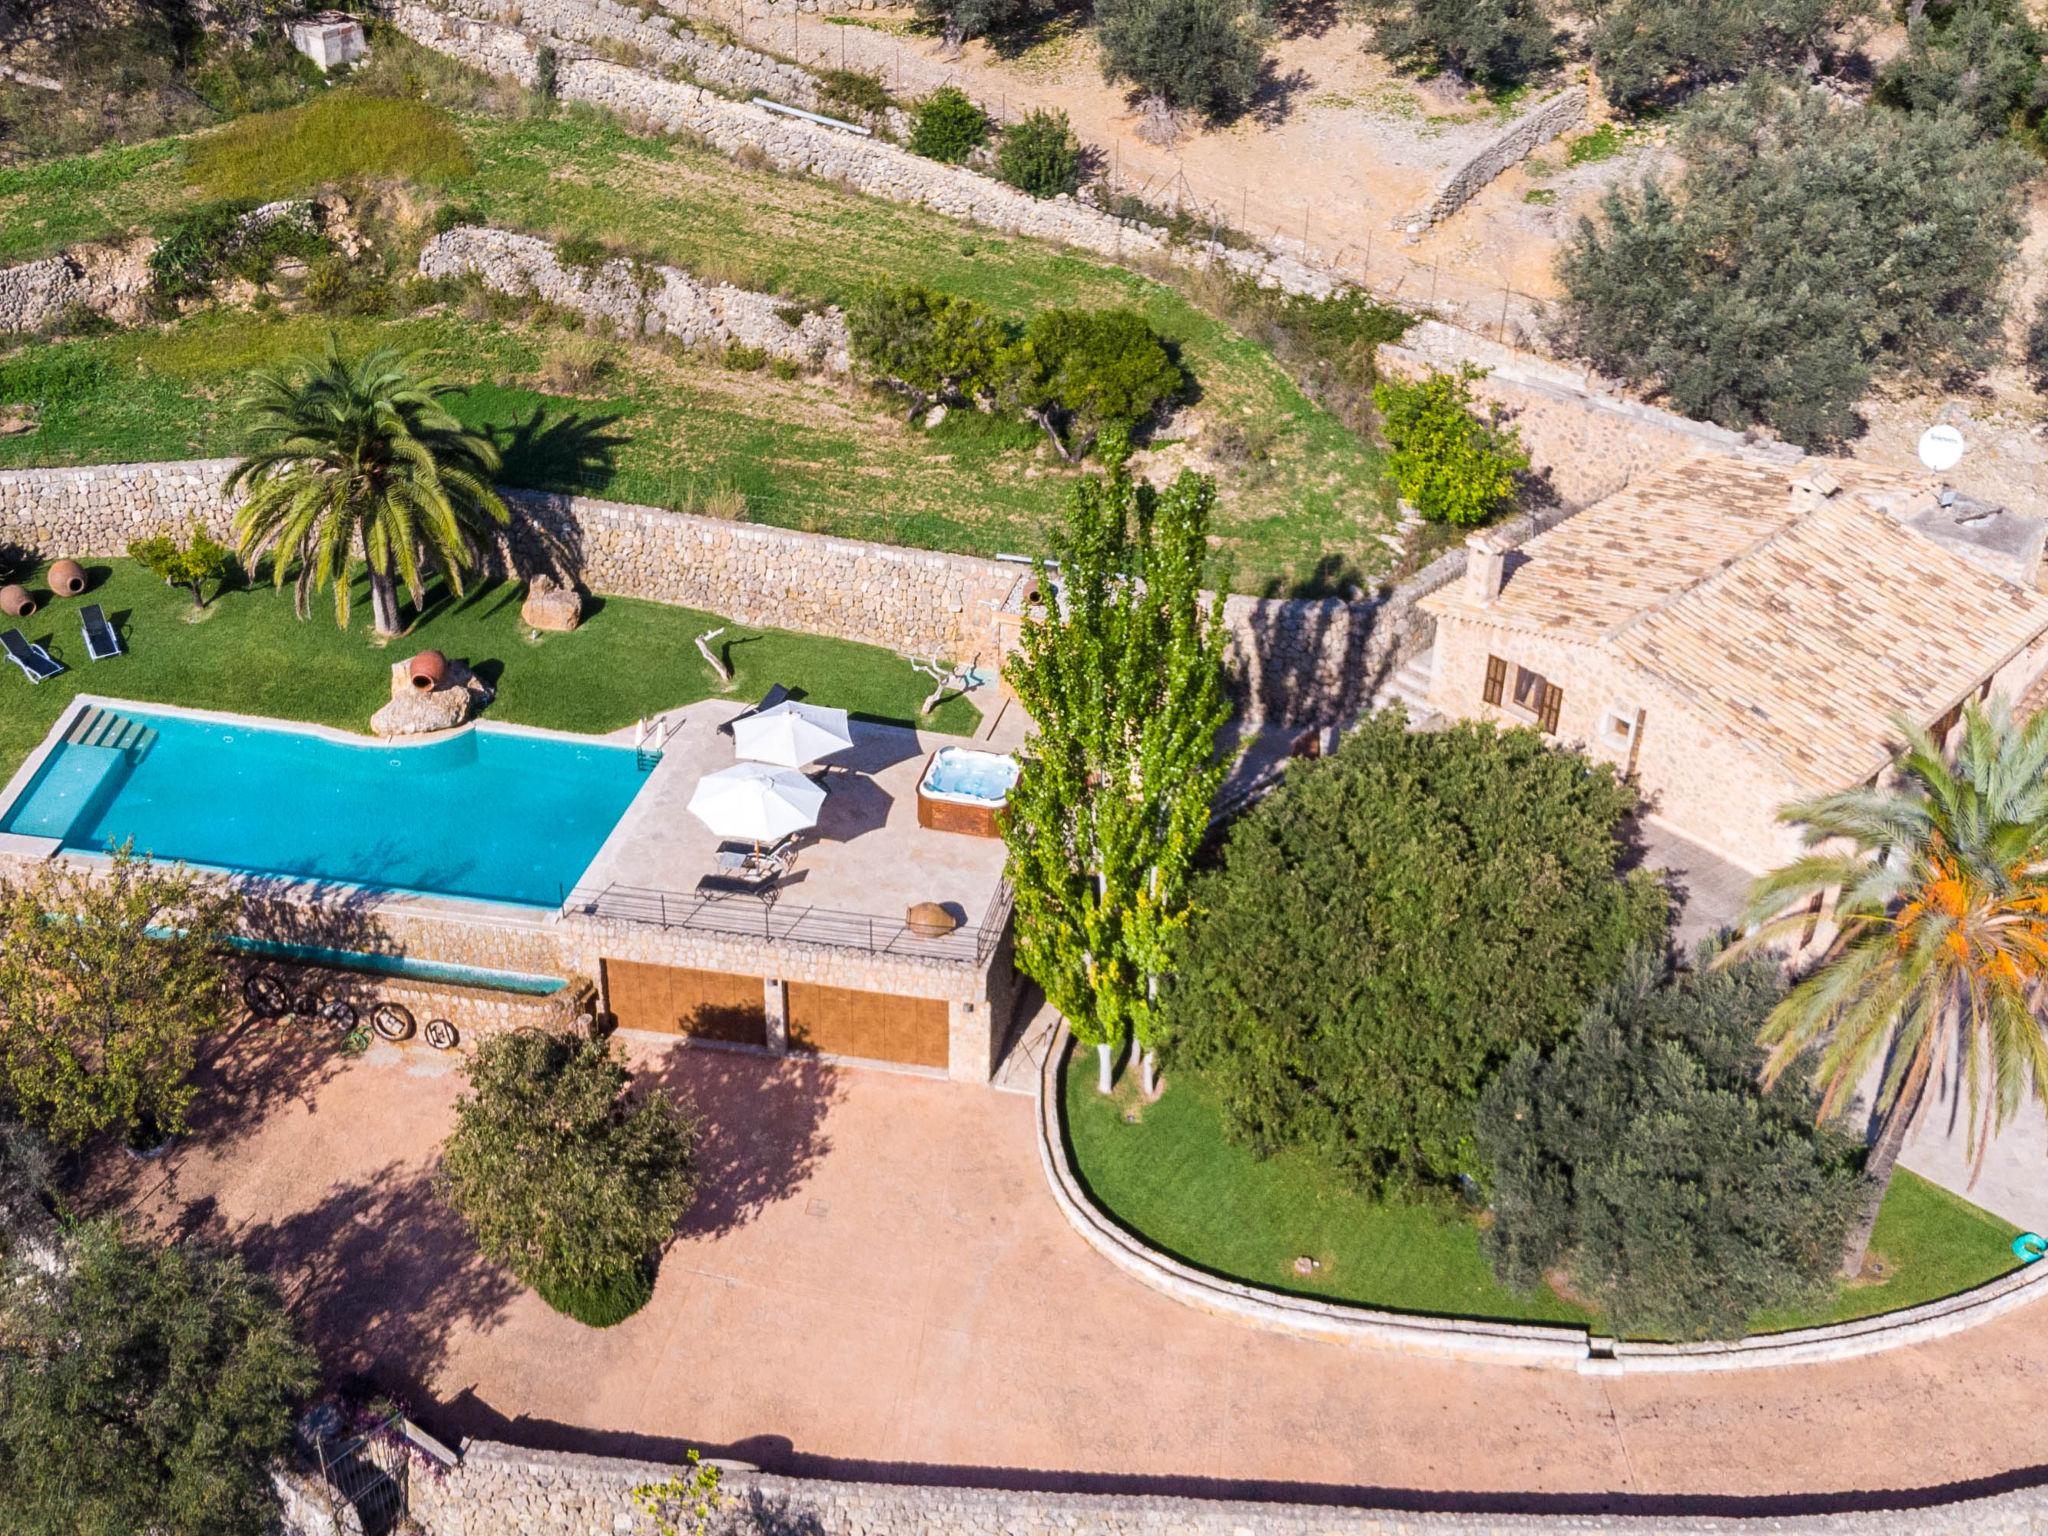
(1493, 1343)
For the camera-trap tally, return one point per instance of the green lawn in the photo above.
(1174, 1179)
(1306, 495)
(247, 653)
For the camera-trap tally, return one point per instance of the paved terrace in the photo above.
(866, 858)
(875, 1280)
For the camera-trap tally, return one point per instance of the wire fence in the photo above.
(1371, 259)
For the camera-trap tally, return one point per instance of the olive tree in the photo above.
(1803, 248)
(1201, 56)
(1122, 672)
(144, 1388)
(108, 982)
(1646, 1158)
(566, 1179)
(1490, 42)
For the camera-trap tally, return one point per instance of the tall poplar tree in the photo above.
(1122, 671)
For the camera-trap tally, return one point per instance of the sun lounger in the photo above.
(33, 660)
(101, 643)
(739, 862)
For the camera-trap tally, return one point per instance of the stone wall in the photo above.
(641, 300)
(862, 164)
(500, 1490)
(1301, 661)
(106, 280)
(111, 280)
(1512, 145)
(908, 600)
(662, 40)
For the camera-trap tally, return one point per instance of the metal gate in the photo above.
(366, 1474)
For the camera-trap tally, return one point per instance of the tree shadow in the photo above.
(761, 1128)
(1273, 101)
(1304, 18)
(382, 1274)
(1315, 660)
(569, 451)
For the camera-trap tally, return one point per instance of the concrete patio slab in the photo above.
(876, 1281)
(867, 855)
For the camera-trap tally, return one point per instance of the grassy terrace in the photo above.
(1174, 1179)
(807, 454)
(247, 653)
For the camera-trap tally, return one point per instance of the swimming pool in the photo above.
(487, 814)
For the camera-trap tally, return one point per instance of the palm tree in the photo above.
(362, 458)
(1942, 943)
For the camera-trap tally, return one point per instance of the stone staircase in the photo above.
(1410, 686)
(97, 727)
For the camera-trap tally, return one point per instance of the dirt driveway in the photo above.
(877, 1281)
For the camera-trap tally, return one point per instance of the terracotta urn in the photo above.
(67, 578)
(16, 602)
(428, 670)
(929, 920)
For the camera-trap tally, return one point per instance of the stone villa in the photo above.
(1735, 635)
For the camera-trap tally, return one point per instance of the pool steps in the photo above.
(96, 727)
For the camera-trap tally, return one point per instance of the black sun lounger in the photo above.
(32, 659)
(101, 643)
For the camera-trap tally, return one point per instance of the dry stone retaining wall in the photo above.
(501, 1490)
(641, 300)
(1302, 661)
(660, 37)
(1512, 145)
(863, 164)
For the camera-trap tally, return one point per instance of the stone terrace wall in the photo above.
(1513, 144)
(904, 599)
(863, 164)
(499, 1490)
(640, 300)
(662, 38)
(1302, 661)
(105, 280)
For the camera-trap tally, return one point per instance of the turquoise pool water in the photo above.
(488, 815)
(986, 776)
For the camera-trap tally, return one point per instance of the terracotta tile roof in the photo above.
(1799, 633)
(1812, 642)
(1660, 535)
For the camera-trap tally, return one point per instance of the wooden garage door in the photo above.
(672, 1000)
(878, 1025)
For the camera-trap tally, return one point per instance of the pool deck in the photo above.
(867, 854)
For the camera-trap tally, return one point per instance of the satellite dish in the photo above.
(1941, 448)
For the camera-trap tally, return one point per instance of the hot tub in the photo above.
(965, 791)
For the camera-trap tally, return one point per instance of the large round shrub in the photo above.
(565, 1179)
(1644, 1158)
(1389, 926)
(949, 126)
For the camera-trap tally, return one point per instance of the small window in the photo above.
(1496, 680)
(1528, 695)
(1618, 726)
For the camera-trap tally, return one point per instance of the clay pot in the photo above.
(428, 670)
(16, 603)
(929, 920)
(67, 578)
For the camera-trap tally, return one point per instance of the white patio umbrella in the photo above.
(756, 802)
(791, 734)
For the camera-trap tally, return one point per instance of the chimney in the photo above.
(1809, 492)
(1486, 561)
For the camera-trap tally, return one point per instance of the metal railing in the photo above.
(743, 916)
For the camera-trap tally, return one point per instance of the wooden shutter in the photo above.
(1553, 701)
(1496, 680)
